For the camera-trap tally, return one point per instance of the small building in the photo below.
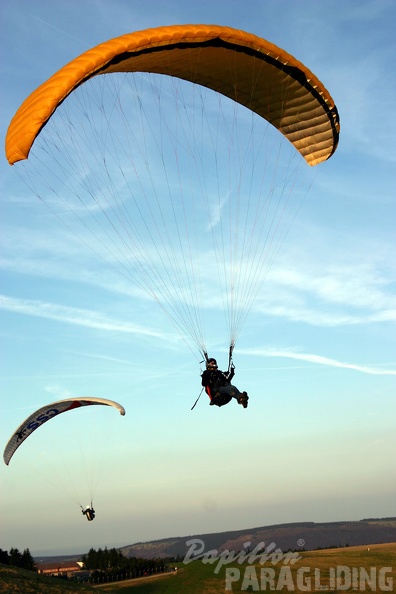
(59, 568)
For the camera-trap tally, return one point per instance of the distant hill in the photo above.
(295, 536)
(285, 536)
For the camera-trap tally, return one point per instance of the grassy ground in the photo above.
(356, 569)
(316, 571)
(20, 581)
(357, 565)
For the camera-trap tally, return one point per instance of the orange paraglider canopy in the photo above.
(239, 65)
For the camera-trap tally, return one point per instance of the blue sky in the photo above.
(317, 353)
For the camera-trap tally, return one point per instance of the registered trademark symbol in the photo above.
(301, 542)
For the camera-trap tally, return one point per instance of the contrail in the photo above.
(317, 359)
(83, 42)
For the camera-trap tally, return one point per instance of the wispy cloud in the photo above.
(334, 290)
(76, 316)
(321, 284)
(59, 392)
(317, 359)
(215, 213)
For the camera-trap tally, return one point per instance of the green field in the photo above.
(358, 569)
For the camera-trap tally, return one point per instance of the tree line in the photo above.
(113, 561)
(17, 559)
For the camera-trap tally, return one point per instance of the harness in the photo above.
(221, 399)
